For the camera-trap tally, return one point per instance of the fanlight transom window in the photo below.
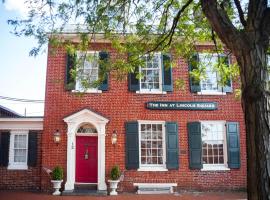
(87, 128)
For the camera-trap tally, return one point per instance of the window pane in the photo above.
(212, 143)
(151, 144)
(20, 155)
(210, 82)
(151, 71)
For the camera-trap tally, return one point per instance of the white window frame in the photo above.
(211, 92)
(88, 90)
(153, 91)
(148, 167)
(218, 167)
(17, 165)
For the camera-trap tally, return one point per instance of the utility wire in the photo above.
(21, 100)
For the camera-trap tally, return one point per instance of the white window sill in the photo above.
(152, 169)
(215, 168)
(151, 92)
(87, 91)
(211, 93)
(17, 167)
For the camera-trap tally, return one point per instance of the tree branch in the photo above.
(173, 27)
(265, 27)
(240, 12)
(256, 10)
(223, 26)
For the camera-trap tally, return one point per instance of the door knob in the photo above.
(86, 155)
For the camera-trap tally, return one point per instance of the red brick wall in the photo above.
(29, 179)
(120, 105)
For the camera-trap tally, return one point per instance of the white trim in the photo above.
(22, 119)
(151, 92)
(211, 93)
(209, 167)
(89, 90)
(12, 165)
(74, 122)
(153, 167)
(21, 123)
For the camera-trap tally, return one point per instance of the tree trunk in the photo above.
(249, 46)
(256, 106)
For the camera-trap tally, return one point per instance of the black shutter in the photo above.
(195, 145)
(70, 81)
(133, 82)
(233, 148)
(228, 86)
(167, 84)
(32, 149)
(4, 148)
(172, 146)
(194, 83)
(103, 57)
(132, 145)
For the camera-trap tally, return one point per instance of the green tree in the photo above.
(139, 27)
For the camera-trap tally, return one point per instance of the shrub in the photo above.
(115, 173)
(57, 173)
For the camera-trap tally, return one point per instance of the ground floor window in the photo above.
(152, 144)
(18, 150)
(214, 144)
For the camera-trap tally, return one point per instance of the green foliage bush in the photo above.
(57, 173)
(115, 173)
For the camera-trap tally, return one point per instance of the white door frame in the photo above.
(74, 121)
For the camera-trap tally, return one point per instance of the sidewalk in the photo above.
(9, 195)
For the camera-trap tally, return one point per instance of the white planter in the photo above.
(113, 186)
(56, 186)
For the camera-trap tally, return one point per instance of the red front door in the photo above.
(86, 159)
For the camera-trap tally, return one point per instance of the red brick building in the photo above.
(189, 139)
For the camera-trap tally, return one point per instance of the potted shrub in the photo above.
(114, 179)
(57, 179)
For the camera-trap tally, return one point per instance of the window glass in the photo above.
(151, 73)
(152, 144)
(210, 81)
(20, 148)
(213, 144)
(87, 70)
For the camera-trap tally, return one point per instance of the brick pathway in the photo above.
(8, 195)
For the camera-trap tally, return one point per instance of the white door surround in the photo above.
(74, 122)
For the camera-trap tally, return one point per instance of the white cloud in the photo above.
(19, 6)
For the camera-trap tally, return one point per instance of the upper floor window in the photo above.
(209, 81)
(151, 72)
(91, 69)
(88, 69)
(155, 75)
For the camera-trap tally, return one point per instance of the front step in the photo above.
(85, 190)
(85, 187)
(84, 193)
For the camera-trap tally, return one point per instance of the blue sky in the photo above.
(21, 76)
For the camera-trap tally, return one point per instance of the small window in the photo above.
(209, 83)
(18, 150)
(87, 72)
(87, 128)
(151, 74)
(213, 145)
(152, 145)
